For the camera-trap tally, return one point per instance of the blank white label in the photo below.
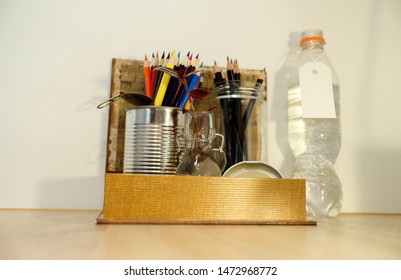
(316, 91)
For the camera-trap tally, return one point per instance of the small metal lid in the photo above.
(252, 169)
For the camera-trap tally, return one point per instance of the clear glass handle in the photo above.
(218, 153)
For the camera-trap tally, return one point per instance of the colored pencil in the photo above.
(159, 75)
(182, 90)
(191, 86)
(173, 84)
(147, 76)
(184, 66)
(155, 63)
(170, 62)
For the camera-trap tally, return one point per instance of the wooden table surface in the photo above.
(73, 234)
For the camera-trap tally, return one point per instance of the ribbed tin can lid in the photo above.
(252, 169)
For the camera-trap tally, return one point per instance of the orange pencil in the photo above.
(146, 72)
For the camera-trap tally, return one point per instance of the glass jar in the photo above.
(240, 111)
(203, 155)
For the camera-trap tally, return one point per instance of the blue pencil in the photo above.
(191, 86)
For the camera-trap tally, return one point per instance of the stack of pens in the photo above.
(236, 105)
(172, 88)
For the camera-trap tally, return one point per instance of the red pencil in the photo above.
(154, 74)
(146, 72)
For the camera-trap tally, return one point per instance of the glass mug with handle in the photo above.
(203, 155)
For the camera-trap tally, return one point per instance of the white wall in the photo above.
(55, 64)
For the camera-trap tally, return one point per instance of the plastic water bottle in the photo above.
(314, 128)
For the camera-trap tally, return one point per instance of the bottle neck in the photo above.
(312, 44)
(313, 51)
(314, 48)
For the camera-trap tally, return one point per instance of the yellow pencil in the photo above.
(164, 82)
(188, 105)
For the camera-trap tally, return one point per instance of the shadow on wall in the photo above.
(379, 172)
(279, 100)
(81, 192)
(378, 167)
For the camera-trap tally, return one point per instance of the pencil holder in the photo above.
(240, 111)
(150, 140)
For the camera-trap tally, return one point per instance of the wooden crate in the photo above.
(134, 198)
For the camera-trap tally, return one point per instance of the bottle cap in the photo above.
(312, 34)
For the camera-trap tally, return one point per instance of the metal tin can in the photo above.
(151, 140)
